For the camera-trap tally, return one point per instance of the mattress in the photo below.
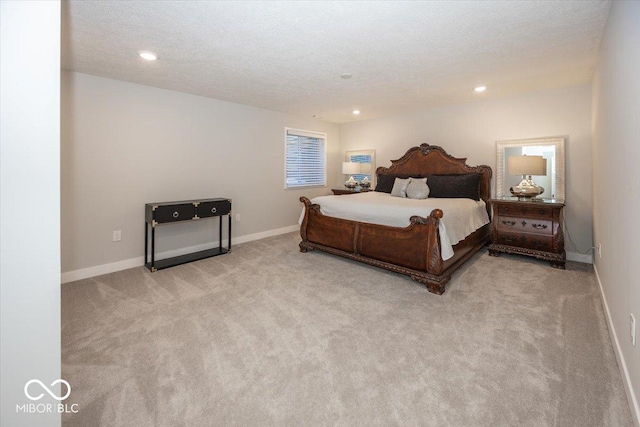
(461, 216)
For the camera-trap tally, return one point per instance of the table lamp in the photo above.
(527, 166)
(350, 168)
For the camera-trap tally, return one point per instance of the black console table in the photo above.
(172, 212)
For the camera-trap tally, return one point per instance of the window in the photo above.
(305, 163)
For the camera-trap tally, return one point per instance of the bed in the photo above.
(415, 249)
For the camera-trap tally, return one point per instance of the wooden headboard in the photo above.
(433, 160)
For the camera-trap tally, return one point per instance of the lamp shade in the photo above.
(350, 168)
(527, 165)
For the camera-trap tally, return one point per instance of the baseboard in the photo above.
(626, 378)
(85, 273)
(574, 256)
(265, 234)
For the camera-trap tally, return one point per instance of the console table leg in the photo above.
(153, 249)
(220, 234)
(146, 240)
(229, 231)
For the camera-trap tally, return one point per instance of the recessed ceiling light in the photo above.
(346, 76)
(356, 112)
(149, 56)
(480, 89)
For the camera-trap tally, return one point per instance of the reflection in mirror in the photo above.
(367, 158)
(551, 149)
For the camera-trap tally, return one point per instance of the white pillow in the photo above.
(418, 188)
(400, 187)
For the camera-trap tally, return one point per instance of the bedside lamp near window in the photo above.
(527, 166)
(350, 168)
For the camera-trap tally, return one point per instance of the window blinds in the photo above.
(305, 159)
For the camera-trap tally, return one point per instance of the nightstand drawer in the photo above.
(523, 240)
(528, 225)
(526, 211)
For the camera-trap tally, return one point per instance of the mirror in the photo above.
(367, 158)
(552, 149)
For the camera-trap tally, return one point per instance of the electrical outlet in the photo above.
(632, 329)
(117, 235)
(600, 250)
(238, 218)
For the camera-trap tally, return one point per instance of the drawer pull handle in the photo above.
(509, 222)
(538, 226)
(542, 211)
(214, 210)
(176, 214)
(508, 239)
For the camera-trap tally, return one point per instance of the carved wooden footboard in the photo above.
(413, 250)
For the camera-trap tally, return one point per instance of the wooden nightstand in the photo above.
(532, 228)
(341, 191)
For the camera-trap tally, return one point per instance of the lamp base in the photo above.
(351, 183)
(527, 189)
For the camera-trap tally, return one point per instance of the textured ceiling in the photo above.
(288, 56)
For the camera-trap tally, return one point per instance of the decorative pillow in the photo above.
(385, 183)
(465, 186)
(418, 188)
(400, 187)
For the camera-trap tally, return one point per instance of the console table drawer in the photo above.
(172, 213)
(528, 225)
(213, 208)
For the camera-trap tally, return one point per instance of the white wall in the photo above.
(471, 130)
(30, 205)
(616, 181)
(124, 145)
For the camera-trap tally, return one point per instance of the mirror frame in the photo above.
(558, 142)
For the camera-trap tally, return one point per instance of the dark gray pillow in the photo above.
(465, 186)
(385, 183)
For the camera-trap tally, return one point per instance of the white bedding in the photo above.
(461, 216)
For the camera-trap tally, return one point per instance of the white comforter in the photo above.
(461, 216)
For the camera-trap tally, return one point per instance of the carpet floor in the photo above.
(269, 336)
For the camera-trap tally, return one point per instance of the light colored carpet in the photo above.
(269, 336)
